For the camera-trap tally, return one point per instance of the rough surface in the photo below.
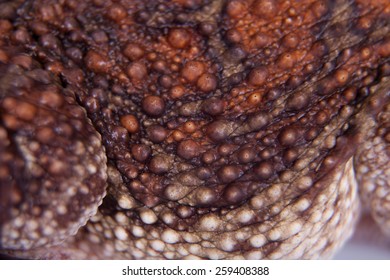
(52, 167)
(232, 129)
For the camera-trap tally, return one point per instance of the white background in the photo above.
(368, 243)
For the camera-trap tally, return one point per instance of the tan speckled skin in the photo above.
(231, 129)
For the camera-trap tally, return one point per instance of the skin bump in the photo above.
(198, 129)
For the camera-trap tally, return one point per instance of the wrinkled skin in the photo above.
(192, 128)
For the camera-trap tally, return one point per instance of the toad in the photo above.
(192, 129)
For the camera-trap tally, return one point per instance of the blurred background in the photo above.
(368, 243)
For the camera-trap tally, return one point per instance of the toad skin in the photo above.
(192, 129)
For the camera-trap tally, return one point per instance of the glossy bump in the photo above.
(153, 105)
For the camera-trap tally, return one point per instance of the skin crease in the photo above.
(192, 129)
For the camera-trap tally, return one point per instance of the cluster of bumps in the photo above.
(191, 128)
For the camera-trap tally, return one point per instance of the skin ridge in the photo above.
(213, 120)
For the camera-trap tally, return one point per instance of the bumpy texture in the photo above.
(229, 129)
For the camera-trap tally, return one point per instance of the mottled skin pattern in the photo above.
(195, 128)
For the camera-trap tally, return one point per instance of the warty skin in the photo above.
(192, 129)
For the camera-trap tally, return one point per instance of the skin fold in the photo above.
(192, 129)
